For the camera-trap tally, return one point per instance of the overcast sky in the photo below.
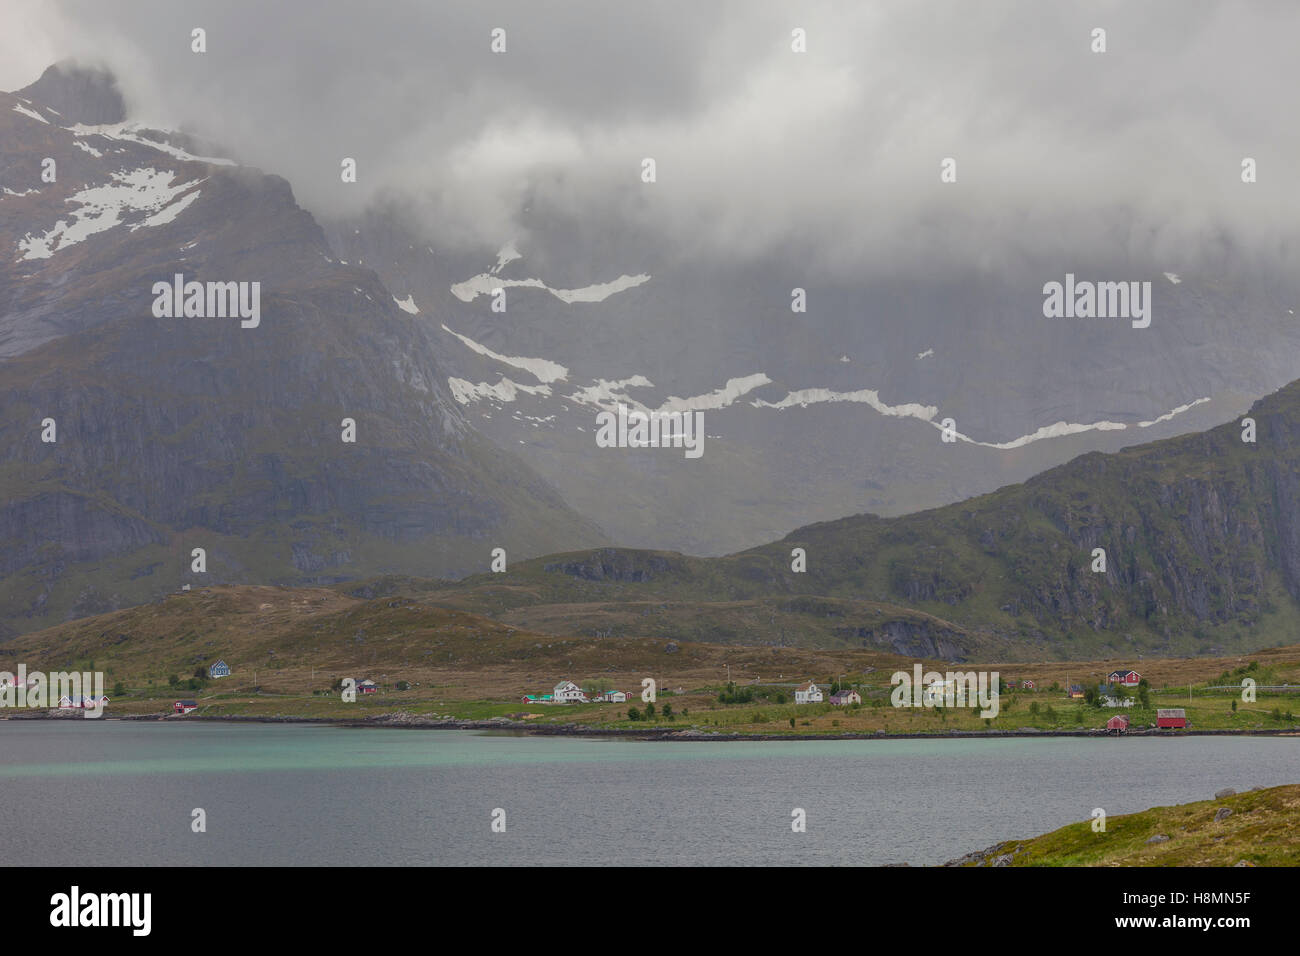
(832, 155)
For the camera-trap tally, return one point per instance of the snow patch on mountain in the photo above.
(719, 397)
(1173, 277)
(507, 254)
(102, 207)
(486, 282)
(812, 396)
(608, 395)
(927, 413)
(168, 213)
(1170, 414)
(506, 390)
(605, 392)
(926, 354)
(544, 370)
(18, 108)
(129, 132)
(1061, 429)
(407, 304)
(89, 149)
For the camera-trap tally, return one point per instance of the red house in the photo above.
(185, 706)
(1117, 724)
(1124, 678)
(1175, 717)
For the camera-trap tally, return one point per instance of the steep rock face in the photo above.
(173, 433)
(78, 94)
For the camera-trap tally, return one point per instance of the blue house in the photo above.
(219, 669)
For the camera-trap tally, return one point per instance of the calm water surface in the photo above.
(116, 792)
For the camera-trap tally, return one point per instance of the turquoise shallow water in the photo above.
(123, 792)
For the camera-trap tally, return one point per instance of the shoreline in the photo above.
(408, 722)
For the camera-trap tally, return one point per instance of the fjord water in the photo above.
(77, 792)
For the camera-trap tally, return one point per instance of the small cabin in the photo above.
(1174, 717)
(846, 697)
(1117, 725)
(1124, 678)
(219, 669)
(185, 706)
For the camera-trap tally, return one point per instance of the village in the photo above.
(939, 693)
(1116, 701)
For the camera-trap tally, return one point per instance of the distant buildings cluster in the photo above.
(567, 692)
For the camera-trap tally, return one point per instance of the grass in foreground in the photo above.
(1263, 829)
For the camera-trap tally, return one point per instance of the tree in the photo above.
(1144, 694)
(633, 714)
(650, 711)
(119, 690)
(668, 709)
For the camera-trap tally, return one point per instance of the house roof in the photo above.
(188, 703)
(808, 686)
(1171, 712)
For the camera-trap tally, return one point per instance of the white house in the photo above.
(808, 693)
(613, 697)
(567, 692)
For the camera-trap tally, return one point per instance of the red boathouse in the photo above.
(1175, 717)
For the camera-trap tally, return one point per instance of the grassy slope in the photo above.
(1263, 830)
(288, 646)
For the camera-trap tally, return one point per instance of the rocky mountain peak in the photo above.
(79, 94)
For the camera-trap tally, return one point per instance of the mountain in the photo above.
(1201, 536)
(812, 416)
(129, 438)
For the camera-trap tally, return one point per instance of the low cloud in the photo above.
(830, 157)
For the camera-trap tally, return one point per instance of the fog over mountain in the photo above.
(828, 159)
